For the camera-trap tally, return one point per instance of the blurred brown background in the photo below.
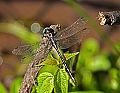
(46, 12)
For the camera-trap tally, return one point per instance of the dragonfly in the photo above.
(54, 37)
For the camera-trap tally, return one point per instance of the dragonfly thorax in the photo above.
(49, 31)
(52, 30)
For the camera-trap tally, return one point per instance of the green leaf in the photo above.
(49, 68)
(33, 89)
(15, 86)
(118, 62)
(61, 81)
(2, 88)
(117, 46)
(52, 61)
(87, 92)
(45, 83)
(49, 61)
(70, 55)
(100, 63)
(90, 47)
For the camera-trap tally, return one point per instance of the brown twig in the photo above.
(32, 70)
(110, 18)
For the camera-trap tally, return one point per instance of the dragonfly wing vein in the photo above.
(72, 40)
(76, 27)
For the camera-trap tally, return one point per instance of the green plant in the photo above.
(2, 89)
(57, 79)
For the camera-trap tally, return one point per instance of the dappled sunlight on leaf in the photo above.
(45, 83)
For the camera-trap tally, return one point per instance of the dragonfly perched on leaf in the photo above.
(54, 37)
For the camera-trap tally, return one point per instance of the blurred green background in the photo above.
(97, 67)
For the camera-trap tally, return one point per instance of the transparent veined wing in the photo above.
(26, 52)
(72, 34)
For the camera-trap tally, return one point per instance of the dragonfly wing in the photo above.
(25, 49)
(22, 50)
(72, 40)
(37, 54)
(25, 59)
(26, 52)
(72, 34)
(76, 27)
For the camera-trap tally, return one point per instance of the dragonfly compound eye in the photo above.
(45, 31)
(51, 31)
(55, 27)
(58, 26)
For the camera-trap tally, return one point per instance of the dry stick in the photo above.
(32, 70)
(109, 18)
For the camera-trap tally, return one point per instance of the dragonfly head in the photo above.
(56, 27)
(52, 29)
